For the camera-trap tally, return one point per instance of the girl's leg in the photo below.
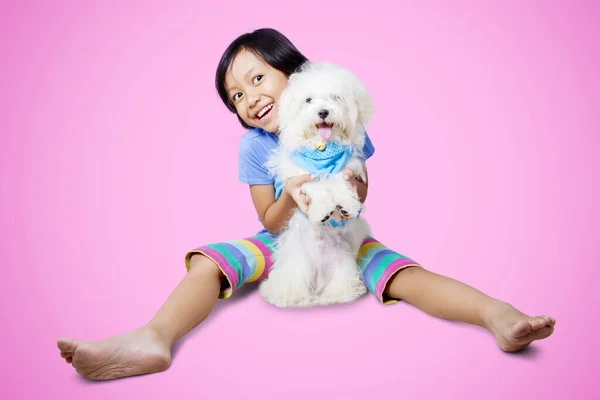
(390, 276)
(447, 298)
(148, 348)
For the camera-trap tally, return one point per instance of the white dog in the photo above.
(322, 114)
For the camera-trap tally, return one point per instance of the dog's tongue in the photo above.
(324, 130)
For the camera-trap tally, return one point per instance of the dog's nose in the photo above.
(323, 114)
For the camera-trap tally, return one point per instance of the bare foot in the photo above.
(138, 352)
(514, 330)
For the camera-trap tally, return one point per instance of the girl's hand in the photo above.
(350, 177)
(294, 188)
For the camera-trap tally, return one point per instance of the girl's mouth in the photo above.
(265, 112)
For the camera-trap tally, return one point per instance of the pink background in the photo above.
(116, 157)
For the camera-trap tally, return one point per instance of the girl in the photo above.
(250, 78)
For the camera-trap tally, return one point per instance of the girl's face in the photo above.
(254, 87)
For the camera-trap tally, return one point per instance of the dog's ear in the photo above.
(286, 106)
(288, 102)
(364, 102)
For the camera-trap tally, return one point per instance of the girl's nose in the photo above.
(253, 99)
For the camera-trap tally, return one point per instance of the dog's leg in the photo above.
(346, 283)
(289, 282)
(322, 204)
(347, 202)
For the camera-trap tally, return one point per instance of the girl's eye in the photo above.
(236, 96)
(308, 100)
(257, 79)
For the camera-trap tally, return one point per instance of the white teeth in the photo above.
(264, 110)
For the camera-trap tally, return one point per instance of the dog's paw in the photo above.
(326, 218)
(319, 213)
(346, 294)
(273, 294)
(349, 209)
(289, 301)
(344, 215)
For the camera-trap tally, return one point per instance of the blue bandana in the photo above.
(330, 160)
(320, 163)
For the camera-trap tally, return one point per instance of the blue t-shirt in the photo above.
(254, 150)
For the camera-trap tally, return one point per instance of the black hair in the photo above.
(270, 45)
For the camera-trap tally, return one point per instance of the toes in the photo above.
(524, 331)
(65, 354)
(69, 360)
(540, 322)
(536, 324)
(67, 345)
(541, 333)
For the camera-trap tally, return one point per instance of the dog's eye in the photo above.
(308, 100)
(335, 97)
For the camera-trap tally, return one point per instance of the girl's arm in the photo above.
(275, 214)
(360, 187)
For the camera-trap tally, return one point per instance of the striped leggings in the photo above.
(250, 260)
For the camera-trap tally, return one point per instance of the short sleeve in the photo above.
(251, 159)
(368, 148)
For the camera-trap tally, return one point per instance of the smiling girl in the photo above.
(250, 77)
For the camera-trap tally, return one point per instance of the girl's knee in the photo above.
(199, 262)
(412, 270)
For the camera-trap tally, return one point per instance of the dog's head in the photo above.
(323, 102)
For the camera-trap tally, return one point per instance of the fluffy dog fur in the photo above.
(315, 262)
